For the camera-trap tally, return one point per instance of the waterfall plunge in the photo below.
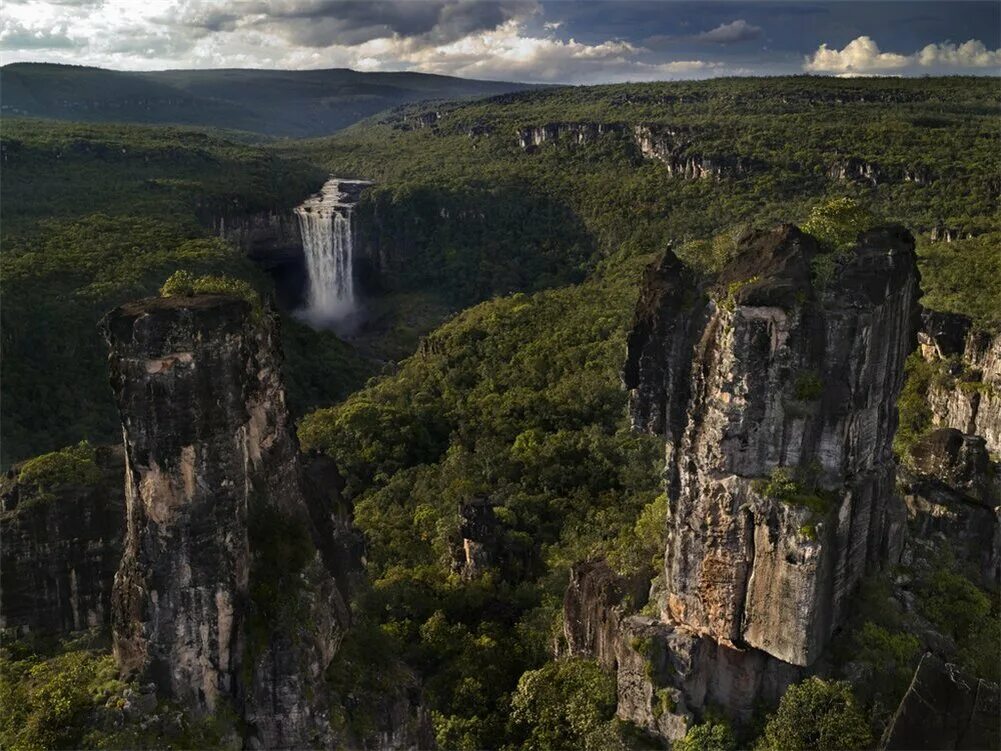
(328, 244)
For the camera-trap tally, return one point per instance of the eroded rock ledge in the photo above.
(222, 598)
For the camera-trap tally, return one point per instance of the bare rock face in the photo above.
(952, 490)
(666, 677)
(966, 394)
(267, 237)
(221, 597)
(780, 473)
(577, 133)
(479, 538)
(670, 146)
(945, 709)
(857, 170)
(60, 553)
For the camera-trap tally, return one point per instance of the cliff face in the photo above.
(221, 596)
(782, 464)
(268, 237)
(776, 396)
(666, 676)
(952, 490)
(966, 395)
(670, 146)
(59, 554)
(577, 133)
(945, 708)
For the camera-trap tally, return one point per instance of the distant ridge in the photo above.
(297, 103)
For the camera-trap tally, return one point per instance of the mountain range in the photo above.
(290, 103)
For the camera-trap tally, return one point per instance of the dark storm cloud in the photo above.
(319, 23)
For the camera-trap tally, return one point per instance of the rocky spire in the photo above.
(221, 598)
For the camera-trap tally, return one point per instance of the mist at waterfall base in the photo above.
(328, 247)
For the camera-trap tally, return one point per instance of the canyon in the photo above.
(773, 395)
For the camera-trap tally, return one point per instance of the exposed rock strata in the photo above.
(60, 554)
(666, 677)
(783, 374)
(581, 133)
(945, 708)
(211, 611)
(941, 233)
(479, 538)
(268, 237)
(966, 392)
(775, 396)
(670, 146)
(953, 494)
(857, 170)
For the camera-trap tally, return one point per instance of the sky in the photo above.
(565, 41)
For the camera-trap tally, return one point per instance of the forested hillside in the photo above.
(267, 102)
(530, 221)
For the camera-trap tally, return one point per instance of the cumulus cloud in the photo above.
(729, 33)
(17, 35)
(862, 56)
(502, 40)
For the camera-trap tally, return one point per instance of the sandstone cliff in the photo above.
(61, 548)
(782, 461)
(966, 392)
(952, 490)
(775, 392)
(222, 598)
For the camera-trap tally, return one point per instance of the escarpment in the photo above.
(663, 143)
(671, 147)
(222, 597)
(775, 392)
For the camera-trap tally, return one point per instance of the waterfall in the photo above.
(328, 245)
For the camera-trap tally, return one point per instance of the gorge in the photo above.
(652, 428)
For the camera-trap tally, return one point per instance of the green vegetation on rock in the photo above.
(816, 715)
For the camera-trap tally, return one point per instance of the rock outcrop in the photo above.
(857, 170)
(222, 597)
(782, 464)
(952, 491)
(941, 233)
(966, 392)
(671, 147)
(945, 709)
(579, 134)
(479, 538)
(666, 676)
(60, 552)
(775, 395)
(268, 237)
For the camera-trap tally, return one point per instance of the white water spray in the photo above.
(328, 244)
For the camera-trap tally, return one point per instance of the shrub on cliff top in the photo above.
(184, 283)
(73, 465)
(836, 223)
(816, 715)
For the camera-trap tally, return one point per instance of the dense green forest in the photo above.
(517, 397)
